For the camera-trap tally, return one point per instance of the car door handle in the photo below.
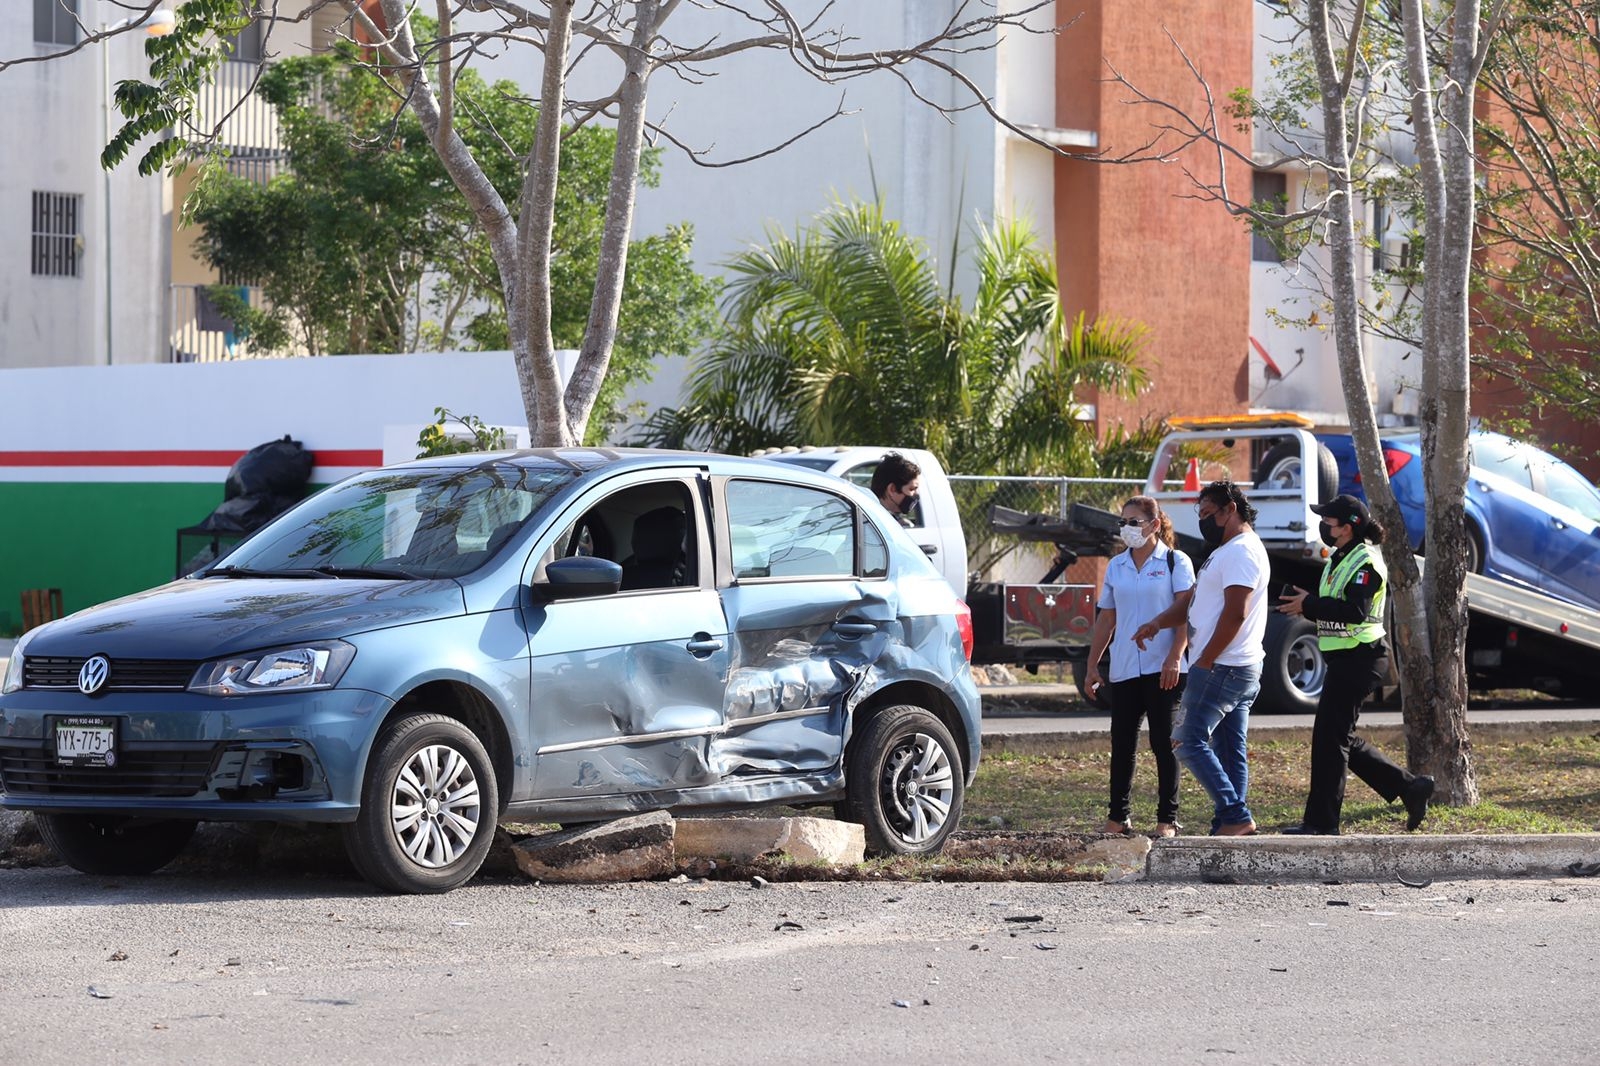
(854, 629)
(703, 644)
(930, 549)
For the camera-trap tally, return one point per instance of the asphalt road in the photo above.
(318, 970)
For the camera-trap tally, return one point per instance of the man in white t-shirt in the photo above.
(1228, 617)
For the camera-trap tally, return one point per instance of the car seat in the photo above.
(658, 559)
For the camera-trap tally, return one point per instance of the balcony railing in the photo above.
(245, 124)
(202, 332)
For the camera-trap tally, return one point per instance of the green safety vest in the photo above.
(1334, 636)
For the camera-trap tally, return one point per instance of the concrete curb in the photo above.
(1262, 859)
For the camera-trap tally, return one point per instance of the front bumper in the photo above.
(290, 757)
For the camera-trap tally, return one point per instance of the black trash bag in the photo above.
(245, 514)
(277, 468)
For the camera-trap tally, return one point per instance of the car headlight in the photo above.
(309, 666)
(13, 680)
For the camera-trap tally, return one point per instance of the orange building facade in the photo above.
(1133, 240)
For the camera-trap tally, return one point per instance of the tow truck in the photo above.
(1516, 637)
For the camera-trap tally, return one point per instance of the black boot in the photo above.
(1418, 791)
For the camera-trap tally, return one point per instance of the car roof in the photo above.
(584, 461)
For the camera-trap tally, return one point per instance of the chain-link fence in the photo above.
(999, 557)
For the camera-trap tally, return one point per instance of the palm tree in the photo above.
(841, 334)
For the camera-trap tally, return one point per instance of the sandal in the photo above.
(1119, 829)
(1166, 829)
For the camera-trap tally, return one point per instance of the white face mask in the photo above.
(1133, 536)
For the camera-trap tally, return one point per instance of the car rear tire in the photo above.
(1281, 468)
(1474, 550)
(101, 844)
(904, 782)
(1295, 670)
(428, 807)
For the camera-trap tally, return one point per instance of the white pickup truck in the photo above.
(1014, 624)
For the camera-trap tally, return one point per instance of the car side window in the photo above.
(789, 531)
(874, 551)
(862, 475)
(1567, 487)
(649, 530)
(1504, 458)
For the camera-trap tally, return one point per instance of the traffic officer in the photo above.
(1348, 611)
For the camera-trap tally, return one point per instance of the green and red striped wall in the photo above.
(100, 466)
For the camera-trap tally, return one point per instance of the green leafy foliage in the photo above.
(1537, 289)
(841, 334)
(436, 440)
(365, 245)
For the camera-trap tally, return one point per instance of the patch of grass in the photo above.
(1544, 786)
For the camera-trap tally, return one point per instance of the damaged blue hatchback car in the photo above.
(555, 635)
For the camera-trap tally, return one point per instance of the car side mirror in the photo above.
(576, 577)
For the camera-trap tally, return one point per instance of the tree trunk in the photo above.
(600, 334)
(1409, 635)
(528, 291)
(1437, 728)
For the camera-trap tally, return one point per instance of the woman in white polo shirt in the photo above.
(1141, 583)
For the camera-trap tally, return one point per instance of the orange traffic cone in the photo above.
(1191, 480)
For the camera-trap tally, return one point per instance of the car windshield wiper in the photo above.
(391, 573)
(246, 571)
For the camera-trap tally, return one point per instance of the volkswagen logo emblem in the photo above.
(93, 675)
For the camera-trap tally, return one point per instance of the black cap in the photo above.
(1346, 509)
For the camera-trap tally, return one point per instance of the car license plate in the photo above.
(86, 741)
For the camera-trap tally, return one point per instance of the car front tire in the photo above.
(904, 782)
(102, 844)
(428, 807)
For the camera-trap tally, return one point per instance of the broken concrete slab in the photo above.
(1124, 858)
(742, 840)
(628, 849)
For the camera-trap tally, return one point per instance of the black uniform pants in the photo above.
(1131, 701)
(1352, 676)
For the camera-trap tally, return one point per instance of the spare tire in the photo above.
(1281, 468)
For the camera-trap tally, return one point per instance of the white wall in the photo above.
(338, 403)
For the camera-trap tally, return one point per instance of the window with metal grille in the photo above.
(56, 217)
(55, 21)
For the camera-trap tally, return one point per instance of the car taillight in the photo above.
(964, 627)
(1393, 460)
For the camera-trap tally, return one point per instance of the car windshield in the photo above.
(1567, 487)
(399, 524)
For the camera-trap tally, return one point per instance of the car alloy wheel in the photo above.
(904, 782)
(918, 788)
(436, 808)
(428, 806)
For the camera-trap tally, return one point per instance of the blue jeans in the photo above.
(1211, 730)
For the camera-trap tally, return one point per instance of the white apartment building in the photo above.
(1296, 366)
(94, 269)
